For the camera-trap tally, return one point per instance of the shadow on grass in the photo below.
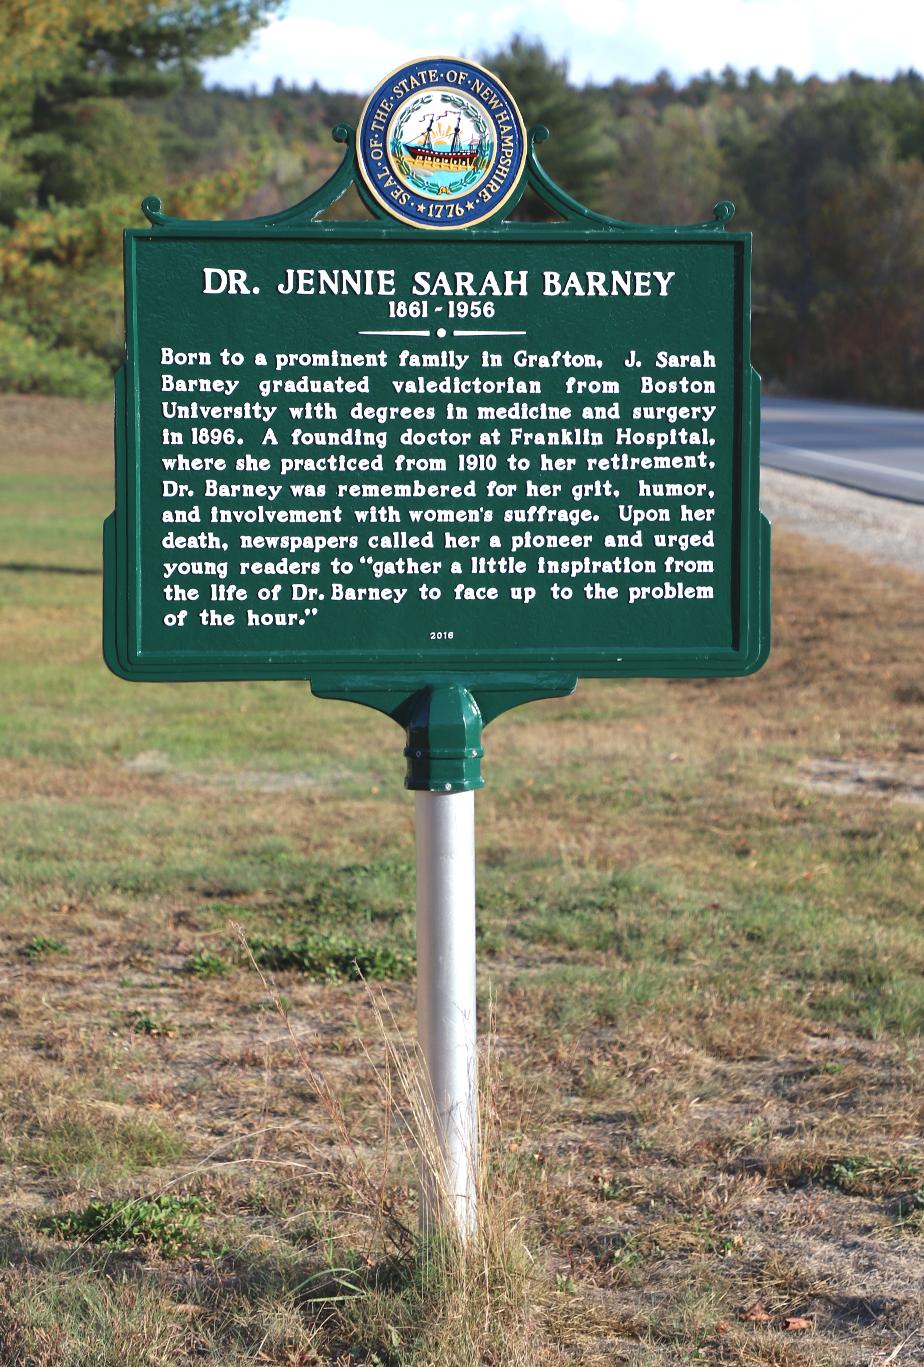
(23, 567)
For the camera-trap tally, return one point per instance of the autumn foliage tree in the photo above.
(75, 159)
(101, 102)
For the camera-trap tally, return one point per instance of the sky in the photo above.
(353, 45)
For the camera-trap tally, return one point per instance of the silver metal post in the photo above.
(446, 1023)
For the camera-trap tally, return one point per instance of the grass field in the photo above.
(702, 972)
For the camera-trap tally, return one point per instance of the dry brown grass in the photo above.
(707, 974)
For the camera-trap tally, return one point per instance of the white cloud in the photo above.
(602, 38)
(355, 55)
(302, 49)
(824, 36)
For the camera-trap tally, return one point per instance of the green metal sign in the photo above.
(387, 459)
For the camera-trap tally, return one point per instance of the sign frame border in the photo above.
(411, 669)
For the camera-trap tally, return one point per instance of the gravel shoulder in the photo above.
(883, 529)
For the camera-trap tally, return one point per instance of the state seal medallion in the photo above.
(441, 144)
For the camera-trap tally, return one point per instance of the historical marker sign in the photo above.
(439, 463)
(348, 447)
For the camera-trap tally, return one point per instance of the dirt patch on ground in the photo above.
(157, 764)
(898, 783)
(64, 435)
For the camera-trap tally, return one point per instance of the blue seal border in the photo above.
(372, 153)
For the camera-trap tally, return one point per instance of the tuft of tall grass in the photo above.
(441, 1299)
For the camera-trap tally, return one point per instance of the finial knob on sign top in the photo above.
(441, 144)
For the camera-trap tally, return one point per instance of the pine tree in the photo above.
(576, 155)
(67, 68)
(75, 160)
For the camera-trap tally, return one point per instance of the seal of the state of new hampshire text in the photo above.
(441, 144)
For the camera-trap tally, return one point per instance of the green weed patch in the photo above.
(205, 965)
(171, 1224)
(861, 1175)
(149, 1023)
(40, 946)
(332, 958)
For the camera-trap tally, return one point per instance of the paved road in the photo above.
(880, 450)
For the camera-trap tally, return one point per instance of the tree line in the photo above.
(103, 102)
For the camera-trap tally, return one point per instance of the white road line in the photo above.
(844, 461)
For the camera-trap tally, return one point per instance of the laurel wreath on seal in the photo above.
(420, 182)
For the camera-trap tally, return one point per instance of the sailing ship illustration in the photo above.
(424, 156)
